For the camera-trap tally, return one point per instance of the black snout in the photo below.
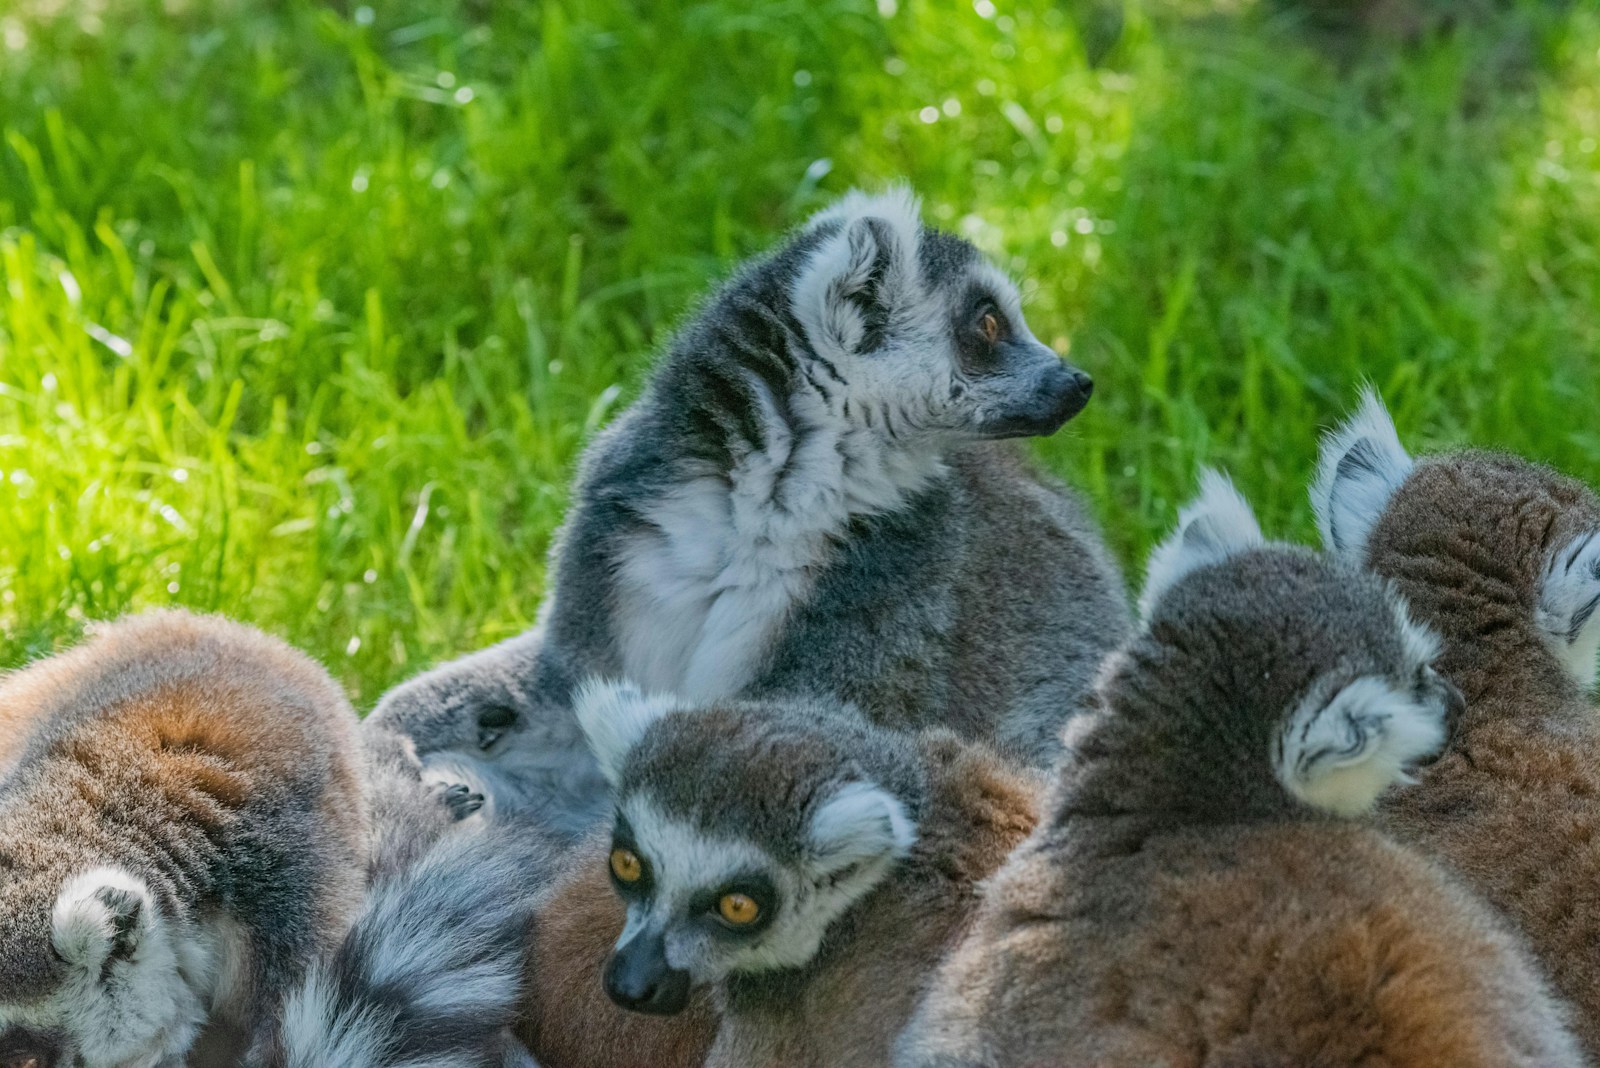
(1050, 397)
(639, 978)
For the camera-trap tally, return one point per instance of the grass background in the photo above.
(306, 309)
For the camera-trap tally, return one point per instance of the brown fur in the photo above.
(210, 760)
(570, 1022)
(846, 1008)
(1514, 805)
(1185, 904)
(1306, 946)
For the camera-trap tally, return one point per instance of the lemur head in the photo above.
(1266, 677)
(743, 830)
(1488, 548)
(914, 333)
(92, 974)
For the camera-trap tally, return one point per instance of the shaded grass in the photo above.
(306, 311)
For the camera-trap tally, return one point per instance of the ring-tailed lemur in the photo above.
(811, 866)
(182, 831)
(1502, 558)
(809, 498)
(1200, 890)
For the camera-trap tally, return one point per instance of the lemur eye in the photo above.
(738, 909)
(626, 865)
(989, 326)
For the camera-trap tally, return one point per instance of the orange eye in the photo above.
(738, 909)
(626, 865)
(990, 325)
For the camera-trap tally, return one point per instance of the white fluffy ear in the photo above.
(1569, 606)
(1340, 754)
(1214, 526)
(860, 824)
(101, 917)
(614, 716)
(1361, 466)
(847, 292)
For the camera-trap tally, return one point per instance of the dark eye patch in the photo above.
(977, 353)
(622, 837)
(755, 885)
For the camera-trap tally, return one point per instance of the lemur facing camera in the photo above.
(809, 865)
(811, 497)
(182, 831)
(1502, 558)
(1202, 888)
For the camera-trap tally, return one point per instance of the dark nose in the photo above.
(1063, 395)
(639, 979)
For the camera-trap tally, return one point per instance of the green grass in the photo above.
(305, 312)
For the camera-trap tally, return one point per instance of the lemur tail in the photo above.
(430, 976)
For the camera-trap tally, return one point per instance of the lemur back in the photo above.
(183, 827)
(1203, 887)
(811, 497)
(1502, 558)
(808, 866)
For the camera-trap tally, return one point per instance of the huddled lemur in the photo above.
(1502, 558)
(182, 831)
(811, 497)
(809, 865)
(1202, 888)
(431, 970)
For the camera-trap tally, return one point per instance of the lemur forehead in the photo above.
(997, 284)
(685, 854)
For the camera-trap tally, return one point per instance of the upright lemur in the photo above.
(1502, 558)
(811, 497)
(1204, 887)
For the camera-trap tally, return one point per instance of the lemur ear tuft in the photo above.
(1361, 466)
(614, 717)
(1569, 606)
(1214, 526)
(859, 824)
(846, 294)
(1340, 753)
(101, 917)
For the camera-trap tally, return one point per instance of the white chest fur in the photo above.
(706, 590)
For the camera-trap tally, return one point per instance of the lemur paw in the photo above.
(462, 801)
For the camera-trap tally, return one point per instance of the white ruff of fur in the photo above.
(1340, 754)
(706, 590)
(149, 1008)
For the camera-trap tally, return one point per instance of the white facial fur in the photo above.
(1213, 527)
(857, 838)
(614, 716)
(1362, 464)
(139, 984)
(1339, 753)
(1569, 607)
(909, 385)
